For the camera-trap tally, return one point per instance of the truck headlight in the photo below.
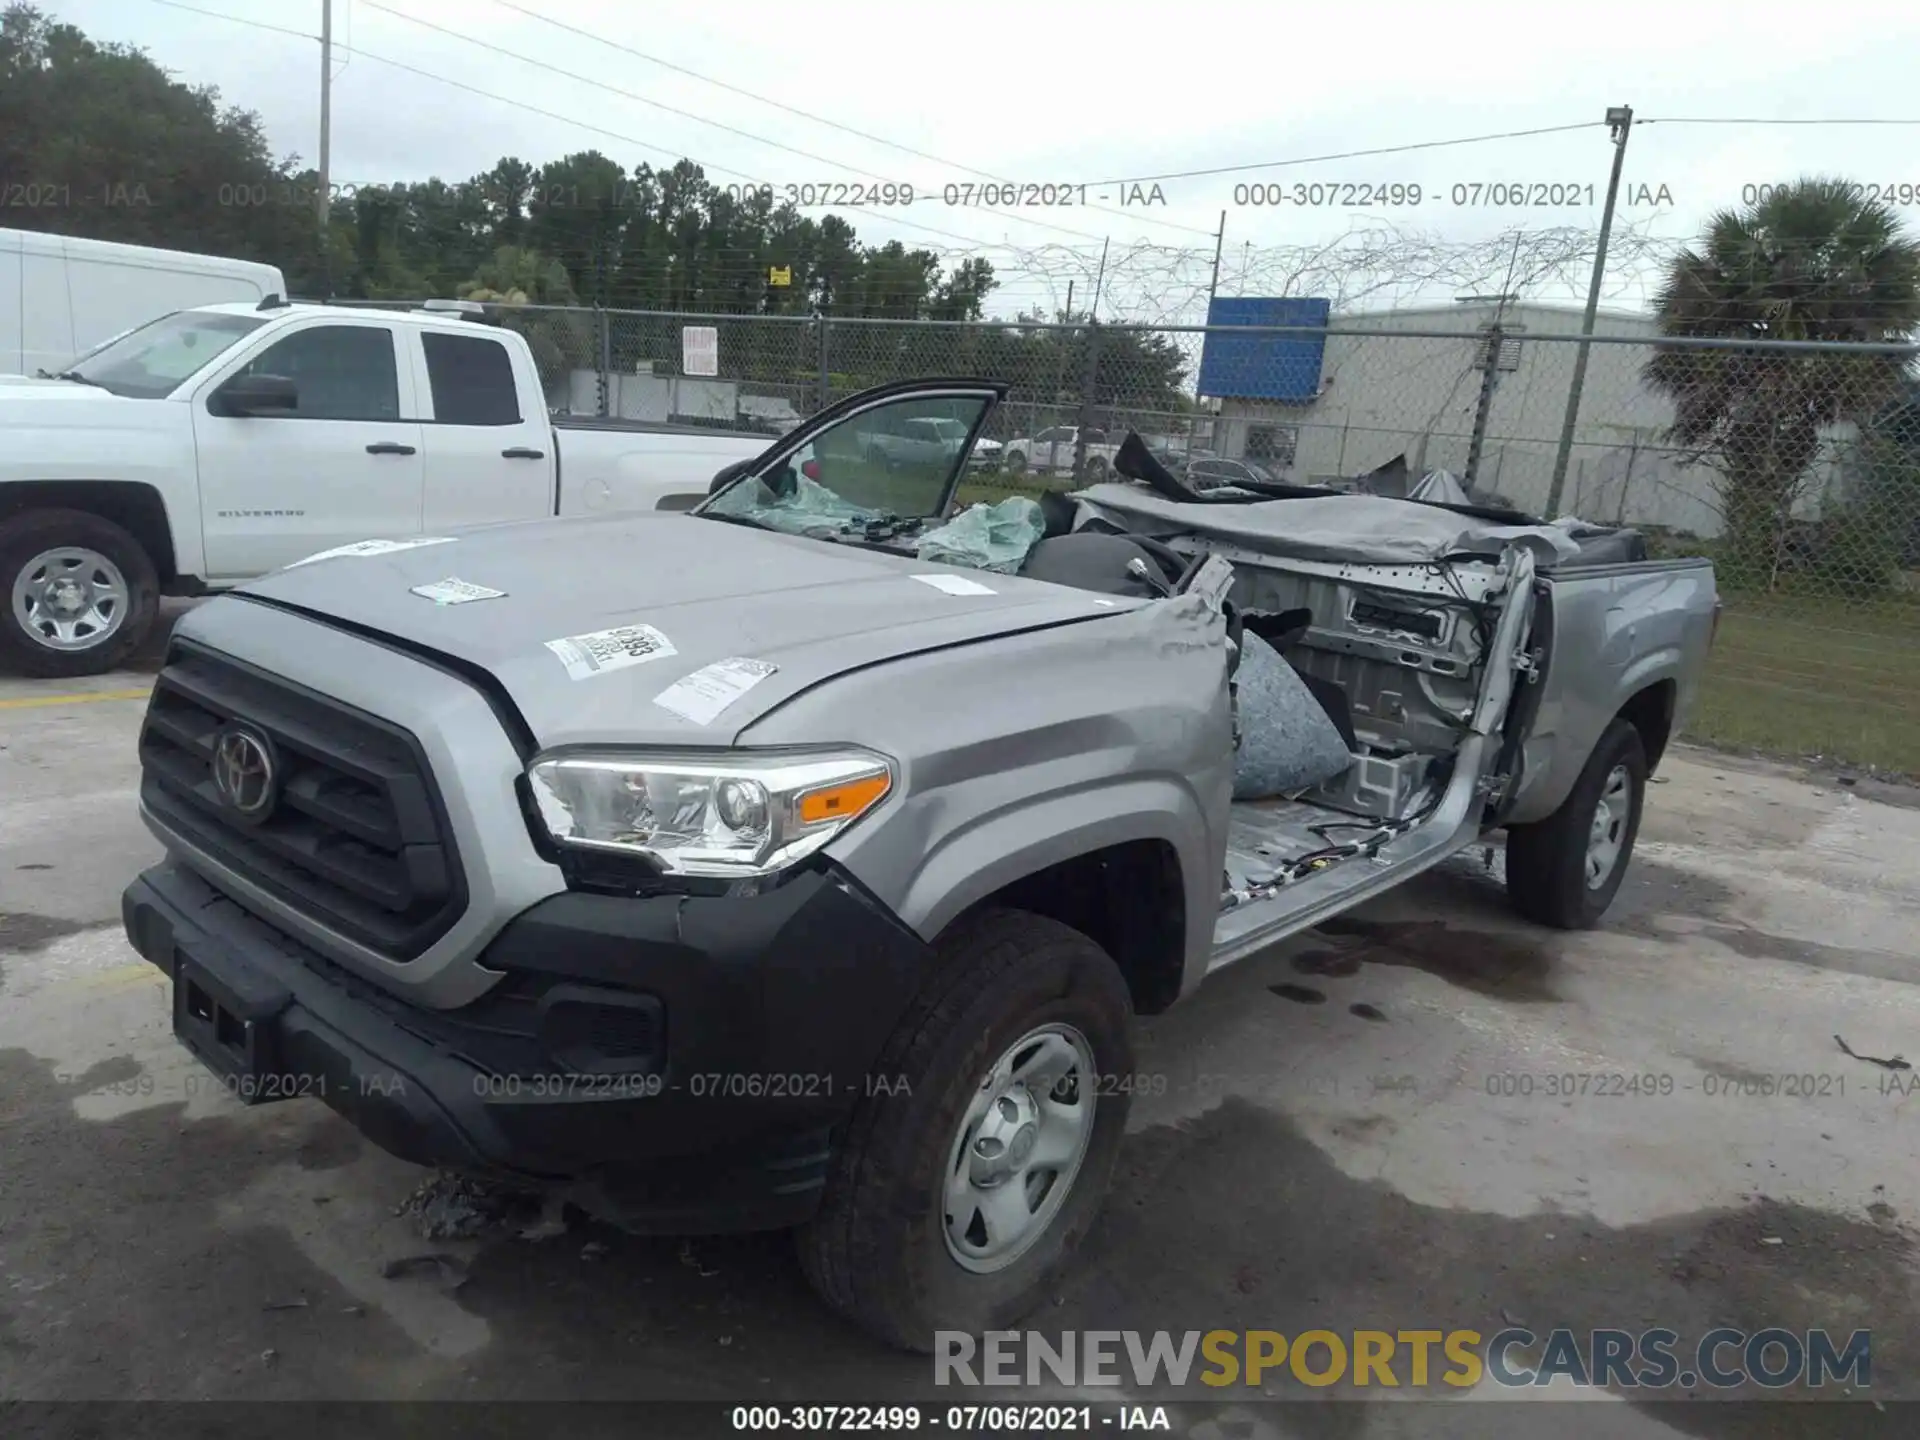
(736, 815)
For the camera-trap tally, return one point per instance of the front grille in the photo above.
(357, 839)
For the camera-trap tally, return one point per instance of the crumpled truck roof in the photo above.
(1336, 529)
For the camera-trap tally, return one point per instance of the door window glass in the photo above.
(342, 372)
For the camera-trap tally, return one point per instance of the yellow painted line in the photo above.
(39, 702)
(119, 976)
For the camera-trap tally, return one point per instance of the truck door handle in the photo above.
(389, 447)
(521, 452)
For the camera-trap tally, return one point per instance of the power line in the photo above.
(686, 114)
(240, 20)
(552, 115)
(807, 114)
(735, 89)
(1716, 120)
(612, 89)
(1349, 155)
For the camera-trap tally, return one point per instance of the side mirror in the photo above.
(783, 483)
(727, 476)
(257, 395)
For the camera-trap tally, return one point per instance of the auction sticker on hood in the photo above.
(955, 584)
(701, 696)
(614, 649)
(376, 547)
(456, 592)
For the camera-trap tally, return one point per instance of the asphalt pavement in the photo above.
(1361, 1129)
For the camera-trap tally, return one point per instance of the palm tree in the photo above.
(562, 339)
(1815, 260)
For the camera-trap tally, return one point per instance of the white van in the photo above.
(60, 297)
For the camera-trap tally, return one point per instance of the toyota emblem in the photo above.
(243, 773)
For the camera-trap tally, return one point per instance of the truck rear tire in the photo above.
(79, 594)
(1015, 462)
(978, 1161)
(1564, 870)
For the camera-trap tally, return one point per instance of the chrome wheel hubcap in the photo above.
(1609, 829)
(1018, 1148)
(70, 598)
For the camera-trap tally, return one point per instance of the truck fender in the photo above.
(1570, 748)
(961, 869)
(133, 505)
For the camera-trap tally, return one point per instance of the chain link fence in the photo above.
(1794, 467)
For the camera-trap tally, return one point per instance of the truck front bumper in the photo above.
(677, 1064)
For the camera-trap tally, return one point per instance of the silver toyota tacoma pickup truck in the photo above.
(763, 866)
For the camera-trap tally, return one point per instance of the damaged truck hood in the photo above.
(587, 623)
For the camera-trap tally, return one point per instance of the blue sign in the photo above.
(1281, 365)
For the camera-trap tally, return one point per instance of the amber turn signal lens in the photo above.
(844, 801)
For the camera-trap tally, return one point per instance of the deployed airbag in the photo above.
(1287, 741)
(987, 537)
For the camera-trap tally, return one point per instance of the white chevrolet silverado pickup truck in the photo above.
(217, 444)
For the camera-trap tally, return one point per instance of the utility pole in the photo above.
(1219, 239)
(320, 210)
(1213, 292)
(1100, 279)
(1483, 412)
(1619, 124)
(1091, 378)
(1089, 382)
(604, 322)
(824, 395)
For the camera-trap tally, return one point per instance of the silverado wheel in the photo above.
(80, 593)
(957, 1198)
(1096, 468)
(1564, 870)
(1016, 462)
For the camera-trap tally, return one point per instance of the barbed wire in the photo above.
(1373, 264)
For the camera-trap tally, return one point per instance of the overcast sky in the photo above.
(1076, 92)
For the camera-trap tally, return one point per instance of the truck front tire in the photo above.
(79, 594)
(977, 1162)
(1564, 870)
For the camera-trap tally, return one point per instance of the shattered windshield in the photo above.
(898, 459)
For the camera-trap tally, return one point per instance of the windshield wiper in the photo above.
(74, 375)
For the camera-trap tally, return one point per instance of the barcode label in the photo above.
(614, 649)
(456, 592)
(701, 696)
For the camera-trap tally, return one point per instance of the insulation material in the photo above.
(1287, 742)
